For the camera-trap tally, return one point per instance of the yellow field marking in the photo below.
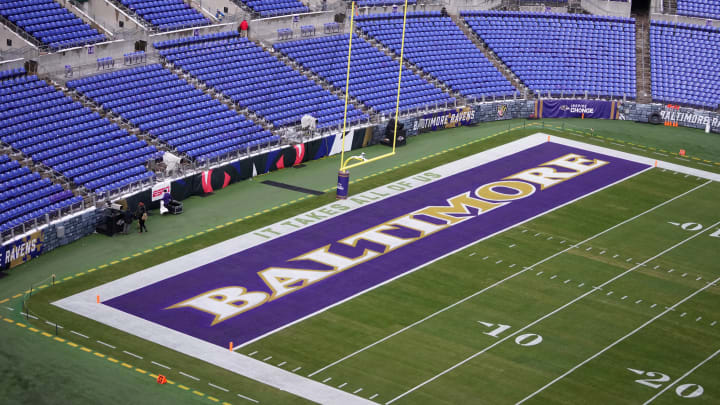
(147, 250)
(238, 220)
(137, 254)
(46, 334)
(274, 208)
(257, 213)
(141, 371)
(154, 376)
(61, 340)
(125, 258)
(199, 233)
(198, 393)
(264, 211)
(45, 285)
(115, 262)
(78, 275)
(33, 330)
(158, 247)
(229, 223)
(85, 349)
(126, 365)
(226, 403)
(169, 243)
(22, 325)
(4, 301)
(71, 344)
(99, 355)
(179, 240)
(182, 387)
(213, 399)
(91, 270)
(220, 226)
(8, 320)
(170, 382)
(67, 278)
(113, 360)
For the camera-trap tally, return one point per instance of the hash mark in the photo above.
(499, 261)
(566, 281)
(671, 270)
(79, 334)
(656, 267)
(220, 388)
(357, 390)
(298, 368)
(327, 379)
(609, 293)
(653, 305)
(537, 234)
(562, 241)
(472, 254)
(713, 323)
(252, 353)
(539, 273)
(683, 314)
(267, 358)
(698, 279)
(588, 249)
(615, 256)
(623, 297)
(484, 258)
(512, 265)
(132, 354)
(105, 344)
(550, 238)
(342, 385)
(684, 274)
(189, 376)
(282, 364)
(581, 284)
(554, 275)
(638, 301)
(373, 396)
(698, 318)
(602, 252)
(512, 246)
(160, 365)
(629, 258)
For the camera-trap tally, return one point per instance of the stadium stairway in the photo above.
(670, 6)
(319, 80)
(14, 28)
(499, 65)
(219, 96)
(145, 23)
(642, 60)
(39, 168)
(409, 65)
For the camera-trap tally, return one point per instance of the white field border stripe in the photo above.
(497, 283)
(556, 310)
(656, 317)
(684, 375)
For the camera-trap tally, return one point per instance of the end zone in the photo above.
(255, 284)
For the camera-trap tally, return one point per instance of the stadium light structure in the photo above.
(343, 173)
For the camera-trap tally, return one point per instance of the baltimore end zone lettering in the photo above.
(227, 302)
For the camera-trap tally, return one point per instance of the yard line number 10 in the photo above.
(527, 339)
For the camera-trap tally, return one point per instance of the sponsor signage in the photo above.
(22, 250)
(331, 254)
(577, 109)
(159, 190)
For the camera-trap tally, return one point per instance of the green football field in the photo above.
(606, 300)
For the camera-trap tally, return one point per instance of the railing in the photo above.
(46, 219)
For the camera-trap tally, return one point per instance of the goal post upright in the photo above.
(344, 174)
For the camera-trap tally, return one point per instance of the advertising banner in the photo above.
(445, 119)
(21, 251)
(159, 190)
(577, 109)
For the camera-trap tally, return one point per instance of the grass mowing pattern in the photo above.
(352, 325)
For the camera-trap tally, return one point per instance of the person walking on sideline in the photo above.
(142, 216)
(127, 218)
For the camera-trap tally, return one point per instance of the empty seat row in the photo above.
(257, 80)
(167, 14)
(174, 111)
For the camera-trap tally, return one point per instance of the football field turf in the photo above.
(605, 300)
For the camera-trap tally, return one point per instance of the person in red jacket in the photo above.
(244, 28)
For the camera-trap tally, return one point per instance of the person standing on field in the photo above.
(142, 215)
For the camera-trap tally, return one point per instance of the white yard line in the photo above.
(683, 376)
(160, 365)
(656, 317)
(189, 376)
(132, 354)
(506, 279)
(553, 312)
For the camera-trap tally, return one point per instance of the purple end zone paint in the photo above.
(241, 268)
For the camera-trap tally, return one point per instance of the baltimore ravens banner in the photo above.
(22, 250)
(445, 119)
(578, 108)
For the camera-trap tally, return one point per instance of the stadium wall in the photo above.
(660, 113)
(607, 7)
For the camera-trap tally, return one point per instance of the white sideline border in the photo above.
(84, 303)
